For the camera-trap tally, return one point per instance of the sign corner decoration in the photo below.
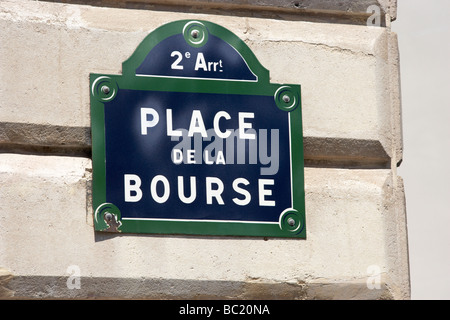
(193, 138)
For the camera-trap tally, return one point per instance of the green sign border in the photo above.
(103, 88)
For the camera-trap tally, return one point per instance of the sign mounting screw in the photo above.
(291, 222)
(108, 217)
(194, 34)
(105, 89)
(286, 98)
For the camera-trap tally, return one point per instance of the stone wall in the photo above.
(348, 67)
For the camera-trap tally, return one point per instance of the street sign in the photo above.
(193, 138)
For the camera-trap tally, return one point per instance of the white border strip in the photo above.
(193, 78)
(200, 220)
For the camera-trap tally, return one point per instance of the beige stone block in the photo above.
(355, 245)
(352, 10)
(347, 73)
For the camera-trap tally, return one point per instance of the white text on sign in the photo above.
(200, 62)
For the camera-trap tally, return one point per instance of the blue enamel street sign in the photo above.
(192, 138)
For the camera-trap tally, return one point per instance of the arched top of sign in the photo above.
(195, 50)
